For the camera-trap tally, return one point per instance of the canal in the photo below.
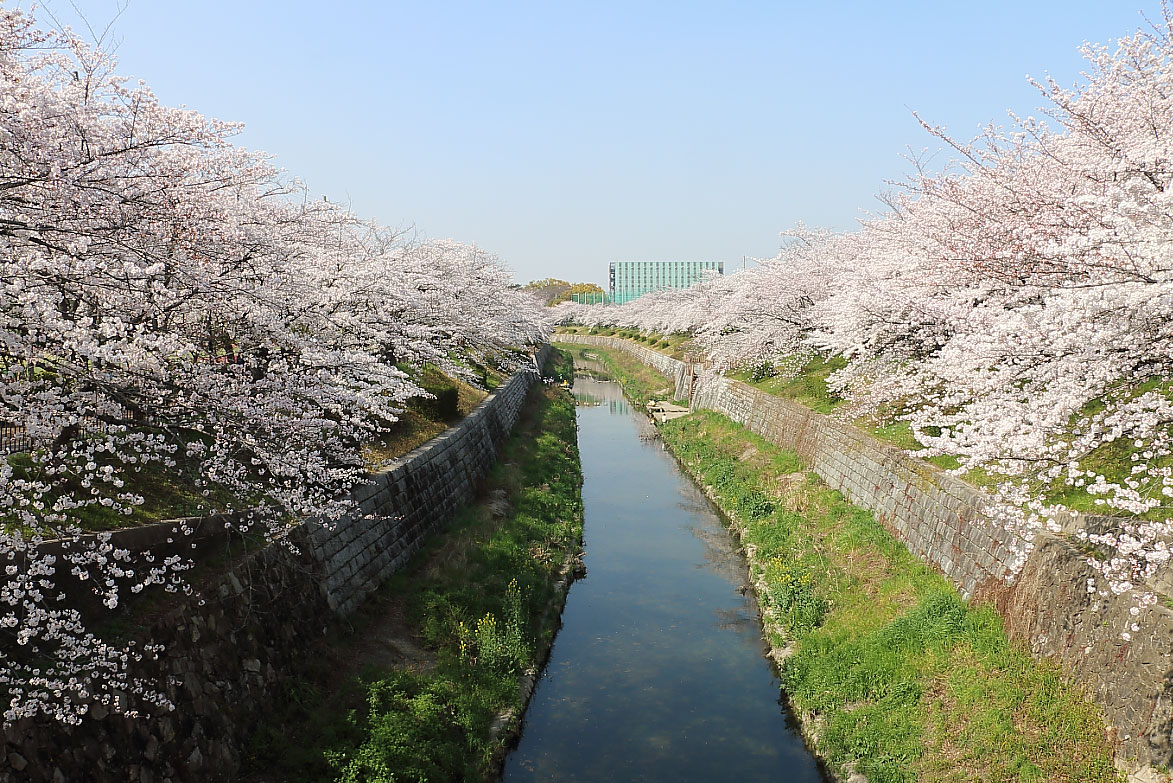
(659, 671)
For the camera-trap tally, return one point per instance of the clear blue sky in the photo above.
(562, 136)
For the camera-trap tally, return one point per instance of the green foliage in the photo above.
(748, 501)
(404, 714)
(444, 404)
(640, 383)
(487, 377)
(545, 282)
(791, 591)
(560, 367)
(554, 291)
(907, 681)
(477, 598)
(762, 371)
(498, 647)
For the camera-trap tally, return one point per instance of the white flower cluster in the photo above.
(170, 302)
(1015, 309)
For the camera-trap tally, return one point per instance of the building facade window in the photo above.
(632, 279)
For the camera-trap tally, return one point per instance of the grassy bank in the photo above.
(674, 345)
(893, 673)
(809, 388)
(639, 381)
(426, 417)
(447, 642)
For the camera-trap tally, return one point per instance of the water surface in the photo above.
(659, 672)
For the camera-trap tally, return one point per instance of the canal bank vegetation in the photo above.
(806, 380)
(676, 345)
(892, 673)
(803, 379)
(423, 418)
(422, 685)
(640, 382)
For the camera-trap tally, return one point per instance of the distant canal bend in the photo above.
(659, 672)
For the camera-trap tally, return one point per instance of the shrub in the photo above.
(762, 371)
(791, 592)
(444, 405)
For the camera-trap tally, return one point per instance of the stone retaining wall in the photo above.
(944, 521)
(232, 651)
(940, 518)
(228, 653)
(410, 498)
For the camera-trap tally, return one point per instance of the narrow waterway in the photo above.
(659, 672)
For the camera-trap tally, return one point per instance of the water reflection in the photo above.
(592, 367)
(595, 390)
(658, 672)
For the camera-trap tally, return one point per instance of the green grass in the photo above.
(902, 680)
(808, 387)
(425, 418)
(640, 382)
(489, 377)
(676, 345)
(475, 600)
(412, 430)
(1112, 460)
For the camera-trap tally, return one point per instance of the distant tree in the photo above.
(547, 289)
(552, 291)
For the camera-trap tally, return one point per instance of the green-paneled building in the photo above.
(590, 298)
(631, 279)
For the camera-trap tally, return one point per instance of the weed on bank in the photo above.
(892, 672)
(472, 612)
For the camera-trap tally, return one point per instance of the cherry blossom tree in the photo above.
(169, 299)
(1033, 315)
(1016, 308)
